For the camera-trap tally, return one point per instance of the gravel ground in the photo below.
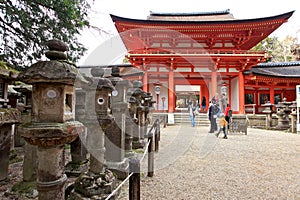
(193, 164)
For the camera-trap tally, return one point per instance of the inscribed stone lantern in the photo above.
(53, 114)
(98, 182)
(104, 89)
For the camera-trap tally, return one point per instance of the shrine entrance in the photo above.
(169, 47)
(184, 94)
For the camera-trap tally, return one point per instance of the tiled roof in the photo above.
(278, 69)
(193, 16)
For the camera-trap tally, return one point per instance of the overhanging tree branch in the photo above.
(27, 24)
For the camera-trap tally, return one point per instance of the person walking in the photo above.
(223, 102)
(192, 108)
(223, 124)
(203, 104)
(227, 114)
(213, 110)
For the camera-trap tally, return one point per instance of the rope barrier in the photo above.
(127, 178)
(119, 186)
(146, 151)
(155, 124)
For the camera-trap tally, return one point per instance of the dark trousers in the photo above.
(213, 125)
(227, 118)
(224, 131)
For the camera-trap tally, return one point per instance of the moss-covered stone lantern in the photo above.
(53, 117)
(98, 182)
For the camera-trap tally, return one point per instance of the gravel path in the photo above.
(193, 164)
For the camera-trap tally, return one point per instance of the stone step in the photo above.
(184, 118)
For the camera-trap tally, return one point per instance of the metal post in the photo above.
(135, 180)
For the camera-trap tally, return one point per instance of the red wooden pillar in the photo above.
(229, 91)
(145, 82)
(204, 93)
(256, 100)
(213, 82)
(241, 93)
(171, 92)
(272, 93)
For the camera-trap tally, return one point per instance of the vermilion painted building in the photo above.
(203, 54)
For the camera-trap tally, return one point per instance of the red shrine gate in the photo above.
(208, 50)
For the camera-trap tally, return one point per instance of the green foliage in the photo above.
(6, 66)
(280, 50)
(25, 26)
(125, 60)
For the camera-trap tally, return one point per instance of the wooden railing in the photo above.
(192, 51)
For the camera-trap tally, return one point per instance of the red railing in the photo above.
(192, 51)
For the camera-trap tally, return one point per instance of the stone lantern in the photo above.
(8, 117)
(283, 111)
(115, 134)
(148, 103)
(53, 117)
(79, 155)
(140, 129)
(98, 182)
(268, 111)
(293, 108)
(131, 123)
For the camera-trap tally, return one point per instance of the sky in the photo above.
(140, 9)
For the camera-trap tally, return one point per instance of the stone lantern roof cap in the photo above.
(52, 71)
(57, 70)
(105, 83)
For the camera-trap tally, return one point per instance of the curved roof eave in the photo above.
(284, 16)
(277, 69)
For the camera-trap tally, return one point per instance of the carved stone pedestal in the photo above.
(50, 139)
(94, 186)
(5, 143)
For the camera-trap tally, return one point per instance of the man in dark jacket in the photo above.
(213, 110)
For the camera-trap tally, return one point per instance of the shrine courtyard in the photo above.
(194, 164)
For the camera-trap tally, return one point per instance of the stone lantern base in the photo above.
(120, 169)
(8, 117)
(94, 186)
(5, 143)
(50, 139)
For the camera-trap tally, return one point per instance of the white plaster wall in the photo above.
(234, 94)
